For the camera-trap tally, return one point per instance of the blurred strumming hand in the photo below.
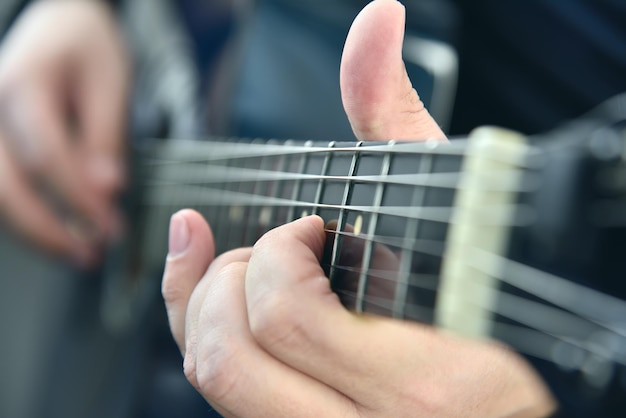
(64, 78)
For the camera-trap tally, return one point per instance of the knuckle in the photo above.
(189, 368)
(171, 290)
(218, 371)
(276, 322)
(232, 268)
(260, 247)
(226, 259)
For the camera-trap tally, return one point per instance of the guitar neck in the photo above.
(396, 196)
(484, 236)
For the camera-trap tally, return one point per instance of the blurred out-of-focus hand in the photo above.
(64, 79)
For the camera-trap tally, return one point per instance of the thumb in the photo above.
(377, 94)
(191, 250)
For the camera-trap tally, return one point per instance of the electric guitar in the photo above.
(491, 236)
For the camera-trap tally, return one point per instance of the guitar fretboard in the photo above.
(417, 231)
(389, 207)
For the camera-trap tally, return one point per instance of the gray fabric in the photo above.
(166, 81)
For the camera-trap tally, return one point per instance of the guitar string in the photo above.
(426, 312)
(533, 343)
(584, 301)
(490, 215)
(582, 293)
(531, 313)
(310, 205)
(598, 307)
(589, 304)
(191, 151)
(209, 175)
(599, 313)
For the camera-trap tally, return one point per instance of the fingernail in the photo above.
(179, 235)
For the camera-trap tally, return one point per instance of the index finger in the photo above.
(34, 123)
(295, 316)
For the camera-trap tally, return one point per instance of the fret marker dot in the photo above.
(304, 214)
(265, 216)
(358, 225)
(236, 213)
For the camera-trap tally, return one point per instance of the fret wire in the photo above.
(320, 186)
(341, 219)
(304, 161)
(373, 223)
(279, 187)
(255, 212)
(238, 215)
(221, 224)
(411, 231)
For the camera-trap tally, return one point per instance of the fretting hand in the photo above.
(261, 332)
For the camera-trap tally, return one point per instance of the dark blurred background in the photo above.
(88, 344)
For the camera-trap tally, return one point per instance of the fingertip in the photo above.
(189, 229)
(315, 221)
(191, 251)
(373, 45)
(178, 236)
(379, 100)
(312, 232)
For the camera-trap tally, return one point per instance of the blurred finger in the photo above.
(28, 214)
(36, 125)
(102, 91)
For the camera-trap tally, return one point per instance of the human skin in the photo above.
(262, 333)
(64, 78)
